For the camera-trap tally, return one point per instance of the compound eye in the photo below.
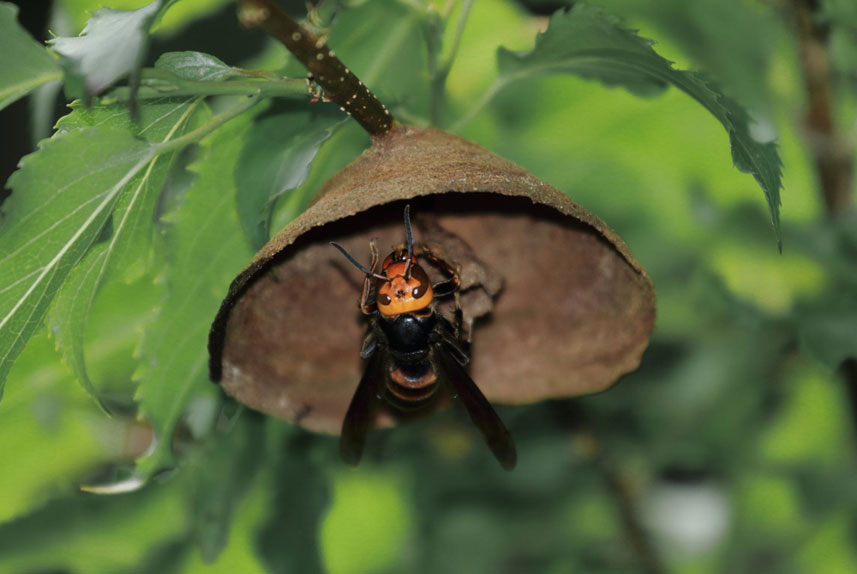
(384, 299)
(423, 283)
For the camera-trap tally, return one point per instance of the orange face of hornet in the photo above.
(407, 287)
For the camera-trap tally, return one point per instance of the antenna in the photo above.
(410, 239)
(357, 263)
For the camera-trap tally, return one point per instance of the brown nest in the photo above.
(558, 305)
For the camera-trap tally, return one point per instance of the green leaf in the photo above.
(196, 66)
(841, 18)
(173, 15)
(111, 46)
(133, 219)
(288, 541)
(62, 197)
(223, 474)
(369, 509)
(730, 39)
(160, 121)
(157, 117)
(68, 314)
(24, 63)
(85, 533)
(828, 330)
(275, 159)
(128, 247)
(168, 555)
(392, 63)
(57, 436)
(176, 16)
(811, 428)
(207, 250)
(586, 42)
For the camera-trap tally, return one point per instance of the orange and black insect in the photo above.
(412, 351)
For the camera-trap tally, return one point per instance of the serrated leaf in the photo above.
(111, 46)
(156, 117)
(67, 317)
(207, 250)
(133, 217)
(24, 63)
(160, 121)
(62, 197)
(586, 42)
(196, 66)
(276, 158)
(731, 39)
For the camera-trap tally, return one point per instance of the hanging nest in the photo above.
(556, 304)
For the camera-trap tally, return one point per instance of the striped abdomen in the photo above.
(412, 384)
(411, 378)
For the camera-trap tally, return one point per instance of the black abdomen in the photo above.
(411, 379)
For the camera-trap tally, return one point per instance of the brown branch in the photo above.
(831, 152)
(848, 372)
(339, 84)
(625, 499)
(622, 493)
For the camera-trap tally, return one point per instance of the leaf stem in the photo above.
(340, 85)
(439, 72)
(600, 58)
(30, 84)
(499, 83)
(466, 5)
(432, 33)
(158, 84)
(207, 128)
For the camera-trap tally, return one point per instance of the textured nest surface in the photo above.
(557, 304)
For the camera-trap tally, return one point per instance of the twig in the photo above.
(831, 152)
(848, 371)
(624, 498)
(570, 416)
(340, 85)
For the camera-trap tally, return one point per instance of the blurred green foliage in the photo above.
(731, 448)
